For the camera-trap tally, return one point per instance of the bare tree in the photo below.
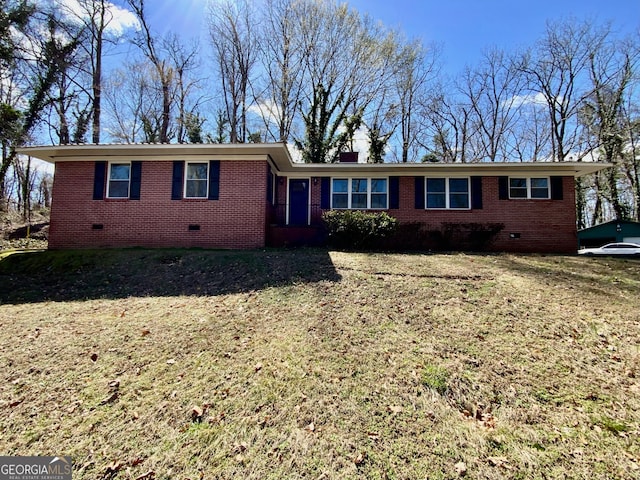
(133, 101)
(147, 42)
(234, 40)
(281, 56)
(28, 75)
(185, 61)
(95, 16)
(450, 126)
(530, 134)
(631, 153)
(416, 67)
(344, 55)
(611, 68)
(492, 89)
(558, 70)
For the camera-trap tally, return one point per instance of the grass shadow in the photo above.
(607, 275)
(90, 274)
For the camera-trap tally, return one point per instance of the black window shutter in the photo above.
(394, 192)
(176, 184)
(476, 193)
(136, 177)
(556, 188)
(419, 192)
(503, 188)
(325, 193)
(99, 178)
(214, 179)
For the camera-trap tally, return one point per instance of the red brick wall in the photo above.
(235, 220)
(545, 226)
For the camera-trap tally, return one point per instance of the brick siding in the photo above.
(241, 217)
(544, 226)
(235, 220)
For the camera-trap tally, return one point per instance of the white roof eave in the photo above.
(280, 158)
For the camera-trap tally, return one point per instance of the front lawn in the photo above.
(314, 364)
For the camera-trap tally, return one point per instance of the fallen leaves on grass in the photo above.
(196, 413)
(324, 375)
(146, 476)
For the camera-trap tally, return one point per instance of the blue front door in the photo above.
(299, 201)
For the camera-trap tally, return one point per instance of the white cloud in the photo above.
(361, 144)
(530, 99)
(119, 19)
(267, 110)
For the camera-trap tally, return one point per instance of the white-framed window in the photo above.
(529, 187)
(119, 180)
(360, 193)
(196, 180)
(447, 193)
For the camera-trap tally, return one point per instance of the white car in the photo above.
(621, 248)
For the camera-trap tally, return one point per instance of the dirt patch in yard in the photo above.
(16, 233)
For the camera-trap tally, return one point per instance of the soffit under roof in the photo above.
(279, 155)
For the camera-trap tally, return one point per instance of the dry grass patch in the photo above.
(298, 364)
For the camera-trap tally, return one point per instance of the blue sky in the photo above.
(465, 28)
(462, 27)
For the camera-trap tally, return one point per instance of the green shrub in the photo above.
(357, 229)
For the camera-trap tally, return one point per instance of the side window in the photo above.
(119, 180)
(537, 188)
(196, 180)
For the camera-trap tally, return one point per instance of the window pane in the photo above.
(379, 185)
(436, 185)
(539, 183)
(378, 200)
(518, 183)
(539, 188)
(539, 193)
(119, 171)
(459, 185)
(359, 200)
(197, 171)
(340, 200)
(518, 187)
(196, 189)
(459, 200)
(340, 185)
(359, 185)
(436, 200)
(118, 188)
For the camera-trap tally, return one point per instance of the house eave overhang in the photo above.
(277, 154)
(574, 169)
